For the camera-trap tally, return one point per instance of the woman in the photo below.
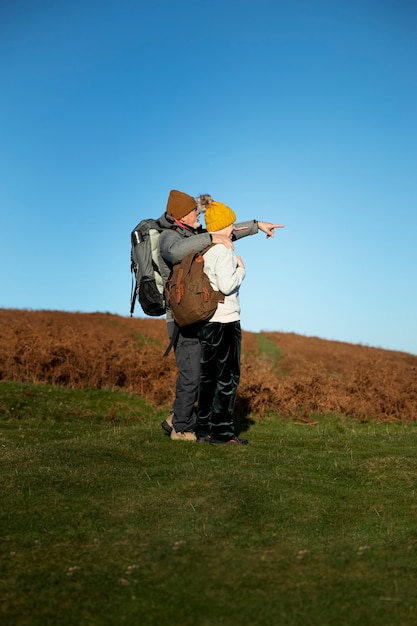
(221, 336)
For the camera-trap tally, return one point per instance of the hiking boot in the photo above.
(167, 424)
(182, 436)
(234, 441)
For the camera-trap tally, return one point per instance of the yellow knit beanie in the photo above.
(218, 216)
(180, 204)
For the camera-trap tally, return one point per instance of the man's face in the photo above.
(192, 219)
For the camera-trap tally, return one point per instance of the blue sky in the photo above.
(291, 111)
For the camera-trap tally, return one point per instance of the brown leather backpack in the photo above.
(190, 296)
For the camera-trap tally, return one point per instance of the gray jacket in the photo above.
(176, 242)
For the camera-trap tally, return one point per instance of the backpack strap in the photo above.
(174, 338)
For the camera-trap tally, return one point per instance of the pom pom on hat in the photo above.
(180, 204)
(218, 216)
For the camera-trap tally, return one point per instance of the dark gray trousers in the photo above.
(187, 352)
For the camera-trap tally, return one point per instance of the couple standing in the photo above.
(207, 356)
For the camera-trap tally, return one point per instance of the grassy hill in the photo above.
(296, 377)
(105, 521)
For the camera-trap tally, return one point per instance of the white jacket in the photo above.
(220, 265)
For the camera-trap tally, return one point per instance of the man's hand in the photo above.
(223, 239)
(268, 228)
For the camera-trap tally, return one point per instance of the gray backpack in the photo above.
(147, 283)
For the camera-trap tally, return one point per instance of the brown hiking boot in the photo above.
(182, 436)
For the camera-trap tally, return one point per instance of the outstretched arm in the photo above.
(252, 227)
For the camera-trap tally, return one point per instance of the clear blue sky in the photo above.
(302, 112)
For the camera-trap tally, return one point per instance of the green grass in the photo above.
(105, 521)
(269, 349)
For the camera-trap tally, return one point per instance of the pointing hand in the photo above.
(268, 228)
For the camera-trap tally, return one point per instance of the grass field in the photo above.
(105, 521)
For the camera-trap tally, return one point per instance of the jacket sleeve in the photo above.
(243, 229)
(173, 247)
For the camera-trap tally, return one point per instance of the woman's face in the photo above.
(229, 230)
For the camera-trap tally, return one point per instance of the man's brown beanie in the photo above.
(180, 204)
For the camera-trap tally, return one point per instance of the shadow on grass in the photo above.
(241, 420)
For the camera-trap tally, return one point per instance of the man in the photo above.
(182, 234)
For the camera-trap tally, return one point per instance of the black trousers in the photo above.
(219, 379)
